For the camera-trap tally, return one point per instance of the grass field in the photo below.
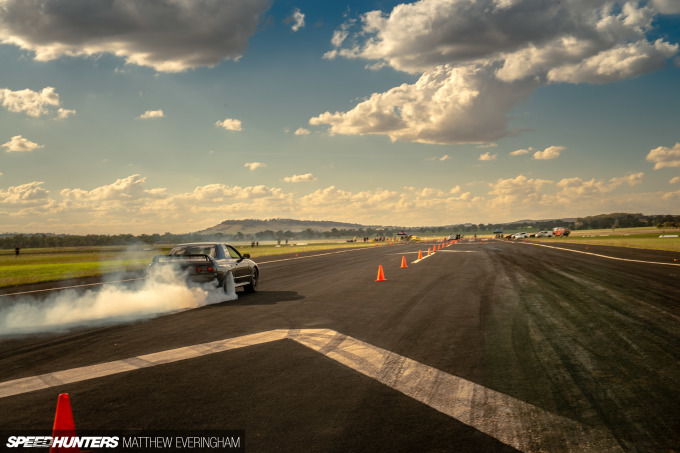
(643, 238)
(53, 264)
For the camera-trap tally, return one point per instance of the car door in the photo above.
(241, 270)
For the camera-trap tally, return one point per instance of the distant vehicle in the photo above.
(561, 231)
(454, 237)
(521, 235)
(210, 262)
(544, 234)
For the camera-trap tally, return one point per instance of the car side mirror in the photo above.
(246, 255)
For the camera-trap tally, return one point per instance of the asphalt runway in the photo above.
(483, 346)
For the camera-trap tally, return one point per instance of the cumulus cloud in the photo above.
(230, 124)
(551, 152)
(302, 131)
(20, 144)
(298, 19)
(129, 188)
(254, 165)
(444, 157)
(487, 156)
(521, 152)
(618, 63)
(152, 114)
(675, 180)
(307, 177)
(62, 114)
(33, 103)
(506, 192)
(664, 157)
(166, 35)
(463, 104)
(477, 60)
(24, 194)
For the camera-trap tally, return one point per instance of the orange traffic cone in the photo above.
(429, 251)
(403, 263)
(420, 254)
(64, 427)
(381, 275)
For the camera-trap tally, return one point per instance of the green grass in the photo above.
(620, 239)
(54, 264)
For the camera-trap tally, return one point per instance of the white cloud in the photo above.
(152, 114)
(33, 103)
(307, 177)
(298, 19)
(618, 63)
(478, 60)
(521, 152)
(664, 157)
(167, 35)
(666, 6)
(675, 180)
(551, 152)
(62, 114)
(520, 189)
(487, 157)
(129, 188)
(447, 105)
(230, 124)
(24, 194)
(130, 205)
(444, 157)
(20, 144)
(302, 131)
(254, 165)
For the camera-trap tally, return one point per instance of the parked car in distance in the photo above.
(521, 235)
(561, 231)
(544, 234)
(211, 262)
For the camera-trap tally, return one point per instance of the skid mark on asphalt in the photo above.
(513, 422)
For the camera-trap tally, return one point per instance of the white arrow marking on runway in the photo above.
(511, 421)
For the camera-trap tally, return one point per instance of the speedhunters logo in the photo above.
(126, 441)
(62, 442)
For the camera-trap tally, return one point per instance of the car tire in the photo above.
(225, 285)
(251, 287)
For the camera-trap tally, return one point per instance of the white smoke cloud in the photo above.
(164, 291)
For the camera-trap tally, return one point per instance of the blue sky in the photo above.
(133, 117)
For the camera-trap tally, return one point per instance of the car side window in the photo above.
(233, 253)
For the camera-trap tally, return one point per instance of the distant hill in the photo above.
(252, 226)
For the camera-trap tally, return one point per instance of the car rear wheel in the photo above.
(228, 284)
(251, 287)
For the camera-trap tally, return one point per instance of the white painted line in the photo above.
(71, 287)
(602, 256)
(514, 422)
(424, 257)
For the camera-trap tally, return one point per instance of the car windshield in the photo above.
(193, 250)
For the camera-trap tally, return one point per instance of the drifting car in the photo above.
(211, 262)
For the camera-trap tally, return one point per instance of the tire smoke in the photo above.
(165, 290)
